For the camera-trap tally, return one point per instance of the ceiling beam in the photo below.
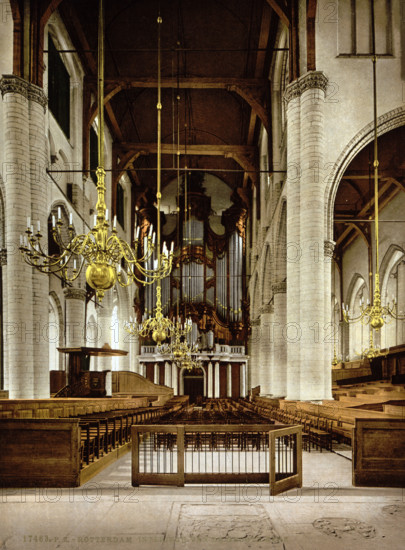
(281, 10)
(210, 150)
(399, 184)
(183, 82)
(255, 91)
(244, 155)
(265, 116)
(363, 212)
(353, 185)
(382, 174)
(363, 231)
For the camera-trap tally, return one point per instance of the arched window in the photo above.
(58, 88)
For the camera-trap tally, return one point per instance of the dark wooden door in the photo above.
(194, 387)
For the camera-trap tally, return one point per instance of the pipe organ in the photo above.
(208, 280)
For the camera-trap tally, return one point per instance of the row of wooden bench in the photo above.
(101, 433)
(318, 431)
(213, 441)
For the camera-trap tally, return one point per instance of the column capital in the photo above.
(37, 94)
(74, 294)
(328, 248)
(279, 288)
(10, 83)
(292, 91)
(313, 79)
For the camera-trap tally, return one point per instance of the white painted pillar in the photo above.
(104, 324)
(216, 378)
(156, 373)
(229, 380)
(3, 262)
(331, 330)
(304, 330)
(210, 381)
(133, 353)
(39, 211)
(401, 302)
(293, 252)
(181, 381)
(168, 374)
(75, 301)
(175, 371)
(124, 343)
(266, 350)
(279, 379)
(254, 353)
(312, 237)
(18, 334)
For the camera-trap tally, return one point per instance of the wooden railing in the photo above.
(219, 453)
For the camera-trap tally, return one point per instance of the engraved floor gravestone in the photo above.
(223, 526)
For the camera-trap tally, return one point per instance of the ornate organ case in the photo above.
(208, 280)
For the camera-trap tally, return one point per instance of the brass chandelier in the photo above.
(107, 257)
(335, 359)
(159, 328)
(178, 346)
(184, 356)
(372, 351)
(374, 314)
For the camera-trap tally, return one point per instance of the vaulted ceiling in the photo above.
(215, 57)
(354, 203)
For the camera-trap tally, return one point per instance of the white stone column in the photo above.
(331, 331)
(133, 353)
(279, 379)
(75, 300)
(104, 327)
(312, 237)
(168, 374)
(216, 378)
(3, 262)
(156, 373)
(181, 381)
(175, 385)
(401, 302)
(254, 353)
(210, 381)
(229, 380)
(291, 331)
(266, 350)
(124, 343)
(39, 212)
(19, 333)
